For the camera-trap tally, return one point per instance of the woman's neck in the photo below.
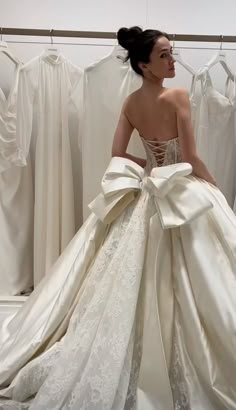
(152, 87)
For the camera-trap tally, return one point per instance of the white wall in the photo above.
(209, 16)
(193, 16)
(174, 16)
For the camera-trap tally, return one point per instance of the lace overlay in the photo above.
(178, 384)
(96, 364)
(101, 333)
(161, 153)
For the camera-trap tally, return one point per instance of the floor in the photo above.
(9, 305)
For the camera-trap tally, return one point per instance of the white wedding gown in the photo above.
(139, 312)
(16, 203)
(215, 134)
(101, 115)
(45, 131)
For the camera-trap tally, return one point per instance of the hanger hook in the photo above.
(51, 34)
(221, 44)
(1, 33)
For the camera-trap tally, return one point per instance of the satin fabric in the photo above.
(185, 296)
(16, 203)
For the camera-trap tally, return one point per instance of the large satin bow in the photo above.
(178, 199)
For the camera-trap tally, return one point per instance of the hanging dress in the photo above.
(45, 94)
(16, 204)
(216, 142)
(107, 83)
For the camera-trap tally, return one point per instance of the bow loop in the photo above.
(163, 179)
(178, 198)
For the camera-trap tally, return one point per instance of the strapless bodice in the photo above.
(161, 153)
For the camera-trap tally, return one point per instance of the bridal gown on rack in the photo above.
(16, 204)
(45, 97)
(102, 106)
(216, 134)
(141, 301)
(194, 102)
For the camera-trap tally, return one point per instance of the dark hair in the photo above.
(139, 44)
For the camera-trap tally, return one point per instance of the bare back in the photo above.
(159, 117)
(154, 117)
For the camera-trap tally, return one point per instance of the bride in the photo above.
(139, 312)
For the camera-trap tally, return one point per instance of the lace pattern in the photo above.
(96, 365)
(178, 384)
(161, 153)
(101, 332)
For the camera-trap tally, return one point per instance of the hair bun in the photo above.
(127, 36)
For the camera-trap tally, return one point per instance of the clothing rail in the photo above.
(109, 35)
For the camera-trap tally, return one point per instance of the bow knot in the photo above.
(178, 199)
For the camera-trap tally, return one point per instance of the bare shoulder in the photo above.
(177, 96)
(130, 101)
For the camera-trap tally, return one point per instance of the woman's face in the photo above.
(161, 64)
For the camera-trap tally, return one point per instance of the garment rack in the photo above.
(108, 35)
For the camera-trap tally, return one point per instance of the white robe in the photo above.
(106, 85)
(45, 97)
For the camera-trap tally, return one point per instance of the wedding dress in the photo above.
(44, 129)
(139, 312)
(215, 135)
(102, 106)
(16, 203)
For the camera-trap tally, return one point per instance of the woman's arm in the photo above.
(186, 137)
(121, 139)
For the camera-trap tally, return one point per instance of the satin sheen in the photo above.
(139, 312)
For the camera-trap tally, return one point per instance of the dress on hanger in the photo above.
(216, 132)
(16, 204)
(107, 83)
(194, 103)
(45, 97)
(141, 301)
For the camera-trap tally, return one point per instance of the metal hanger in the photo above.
(178, 58)
(219, 58)
(5, 50)
(51, 51)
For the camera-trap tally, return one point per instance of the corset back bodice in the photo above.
(161, 153)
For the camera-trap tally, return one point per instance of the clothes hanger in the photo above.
(220, 58)
(52, 51)
(178, 58)
(5, 50)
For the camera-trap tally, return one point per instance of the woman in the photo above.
(140, 310)
(155, 111)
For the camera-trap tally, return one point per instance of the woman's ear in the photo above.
(143, 67)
